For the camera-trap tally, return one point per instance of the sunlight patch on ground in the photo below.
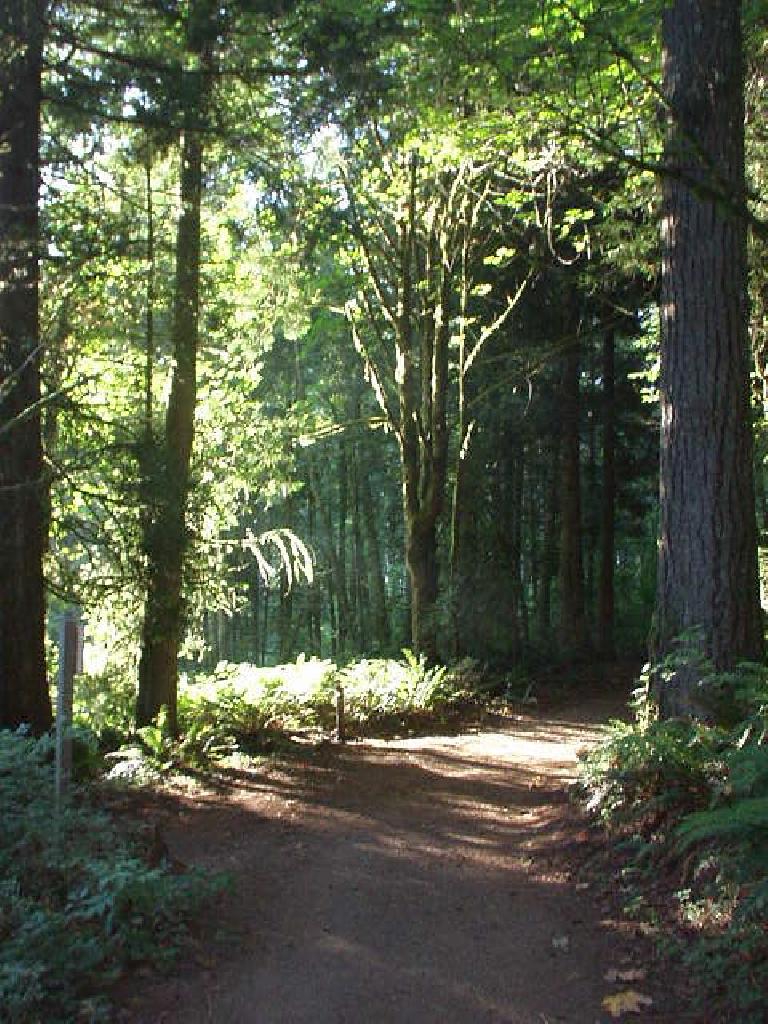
(555, 746)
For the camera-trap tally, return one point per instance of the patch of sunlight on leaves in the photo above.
(626, 1002)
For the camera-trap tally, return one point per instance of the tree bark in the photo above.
(707, 553)
(166, 536)
(24, 694)
(423, 434)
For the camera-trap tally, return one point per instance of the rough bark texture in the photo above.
(23, 686)
(166, 535)
(707, 554)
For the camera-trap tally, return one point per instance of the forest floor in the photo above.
(432, 880)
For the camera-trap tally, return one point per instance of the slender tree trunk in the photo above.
(23, 685)
(549, 556)
(378, 590)
(332, 619)
(315, 594)
(254, 595)
(708, 545)
(590, 510)
(265, 628)
(342, 589)
(285, 630)
(573, 627)
(166, 537)
(534, 502)
(362, 596)
(518, 490)
(605, 594)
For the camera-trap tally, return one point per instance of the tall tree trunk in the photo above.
(23, 685)
(362, 596)
(517, 566)
(315, 594)
(166, 536)
(707, 552)
(549, 556)
(285, 627)
(342, 588)
(423, 431)
(378, 590)
(254, 600)
(572, 626)
(421, 557)
(605, 594)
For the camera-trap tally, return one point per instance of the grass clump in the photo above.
(79, 901)
(691, 799)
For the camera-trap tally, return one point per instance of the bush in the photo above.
(245, 707)
(78, 901)
(705, 787)
(383, 693)
(104, 704)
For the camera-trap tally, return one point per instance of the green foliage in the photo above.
(243, 701)
(703, 789)
(79, 901)
(243, 707)
(382, 693)
(651, 766)
(104, 704)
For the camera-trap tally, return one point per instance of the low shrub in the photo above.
(243, 707)
(79, 902)
(703, 788)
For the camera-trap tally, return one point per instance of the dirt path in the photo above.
(404, 881)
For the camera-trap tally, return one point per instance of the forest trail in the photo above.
(416, 880)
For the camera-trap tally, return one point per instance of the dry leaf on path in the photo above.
(636, 974)
(626, 1002)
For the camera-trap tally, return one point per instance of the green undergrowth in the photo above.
(80, 901)
(242, 709)
(687, 803)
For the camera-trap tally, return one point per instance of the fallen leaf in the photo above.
(637, 974)
(626, 1002)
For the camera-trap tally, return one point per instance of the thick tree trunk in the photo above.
(605, 594)
(23, 686)
(707, 552)
(572, 626)
(166, 535)
(421, 557)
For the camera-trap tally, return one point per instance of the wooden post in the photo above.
(70, 663)
(340, 727)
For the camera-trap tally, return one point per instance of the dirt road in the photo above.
(403, 881)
